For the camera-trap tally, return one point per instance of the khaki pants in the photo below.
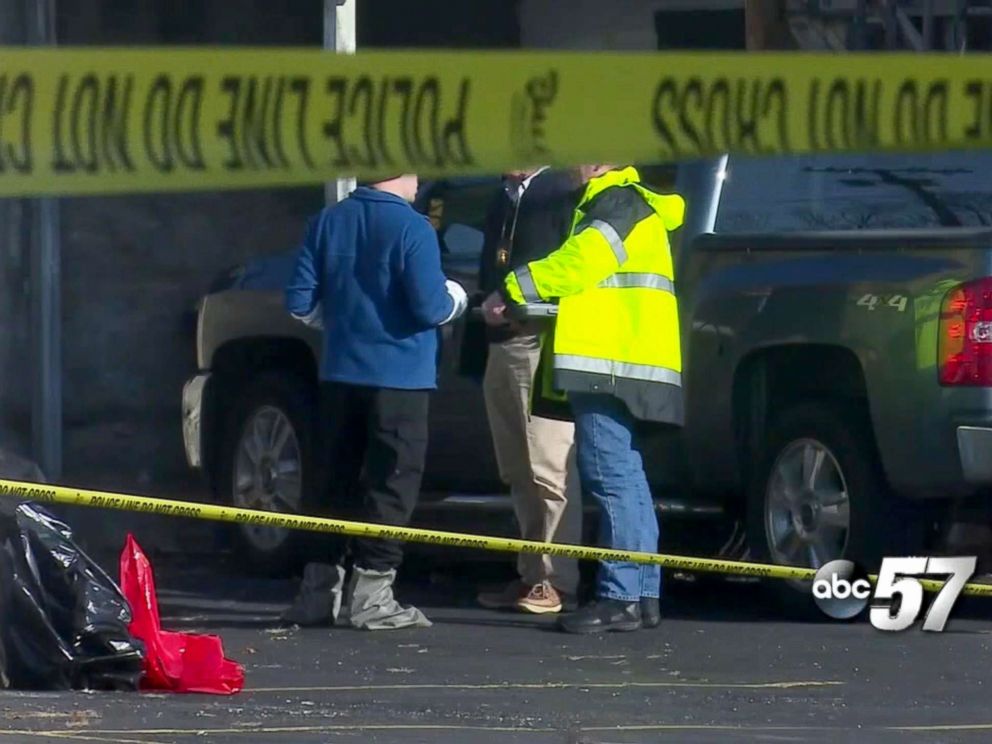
(536, 458)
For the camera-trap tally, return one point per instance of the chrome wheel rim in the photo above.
(807, 506)
(268, 473)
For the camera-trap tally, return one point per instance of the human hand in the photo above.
(494, 310)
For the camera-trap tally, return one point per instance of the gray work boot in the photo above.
(318, 601)
(373, 606)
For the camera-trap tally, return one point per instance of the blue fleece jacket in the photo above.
(373, 265)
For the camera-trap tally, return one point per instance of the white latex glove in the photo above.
(315, 319)
(457, 293)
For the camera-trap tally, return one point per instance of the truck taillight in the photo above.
(964, 354)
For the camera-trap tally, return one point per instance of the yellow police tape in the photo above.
(83, 121)
(46, 493)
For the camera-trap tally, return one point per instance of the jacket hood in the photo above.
(669, 207)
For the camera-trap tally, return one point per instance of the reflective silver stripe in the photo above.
(638, 279)
(526, 282)
(618, 369)
(612, 237)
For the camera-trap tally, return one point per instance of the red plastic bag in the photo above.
(177, 662)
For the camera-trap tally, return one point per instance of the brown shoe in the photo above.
(542, 599)
(506, 598)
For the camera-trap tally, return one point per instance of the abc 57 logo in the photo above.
(842, 590)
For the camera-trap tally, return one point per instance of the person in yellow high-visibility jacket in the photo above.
(617, 358)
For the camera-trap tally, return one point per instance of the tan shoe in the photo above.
(506, 598)
(542, 599)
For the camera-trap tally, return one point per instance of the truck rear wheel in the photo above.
(819, 494)
(266, 464)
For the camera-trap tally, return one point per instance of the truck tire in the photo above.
(819, 494)
(266, 463)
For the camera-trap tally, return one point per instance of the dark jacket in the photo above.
(543, 222)
(374, 265)
(528, 230)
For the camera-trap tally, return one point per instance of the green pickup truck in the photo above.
(837, 331)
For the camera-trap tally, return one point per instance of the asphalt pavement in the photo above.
(725, 665)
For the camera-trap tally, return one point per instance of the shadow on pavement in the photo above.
(217, 594)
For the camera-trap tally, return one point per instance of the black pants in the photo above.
(374, 442)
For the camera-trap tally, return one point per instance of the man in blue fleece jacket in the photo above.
(369, 273)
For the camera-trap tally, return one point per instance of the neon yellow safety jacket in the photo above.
(617, 330)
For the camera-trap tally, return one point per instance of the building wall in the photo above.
(133, 267)
(15, 370)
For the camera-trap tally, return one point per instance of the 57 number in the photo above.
(899, 589)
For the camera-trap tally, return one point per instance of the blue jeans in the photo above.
(612, 473)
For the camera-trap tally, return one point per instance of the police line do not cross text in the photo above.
(842, 590)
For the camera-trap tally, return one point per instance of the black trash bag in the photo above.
(63, 621)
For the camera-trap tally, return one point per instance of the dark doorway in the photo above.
(700, 29)
(438, 23)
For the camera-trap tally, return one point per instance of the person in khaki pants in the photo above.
(535, 455)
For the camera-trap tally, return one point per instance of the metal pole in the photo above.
(927, 25)
(961, 27)
(857, 34)
(46, 296)
(913, 37)
(339, 37)
(890, 19)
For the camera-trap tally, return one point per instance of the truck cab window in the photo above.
(856, 192)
